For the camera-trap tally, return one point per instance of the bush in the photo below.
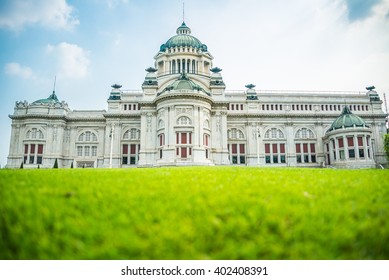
(55, 164)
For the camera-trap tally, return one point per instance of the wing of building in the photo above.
(185, 116)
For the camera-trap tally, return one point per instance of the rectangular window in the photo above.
(340, 142)
(94, 151)
(234, 148)
(125, 106)
(177, 138)
(306, 158)
(298, 148)
(40, 149)
(184, 152)
(241, 106)
(31, 159)
(132, 160)
(39, 160)
(267, 148)
(360, 141)
(267, 159)
(274, 148)
(313, 158)
(241, 148)
(134, 106)
(160, 153)
(32, 149)
(79, 151)
(86, 151)
(351, 153)
(298, 158)
(25, 149)
(125, 160)
(350, 141)
(312, 148)
(125, 149)
(282, 148)
(133, 149)
(283, 160)
(25, 159)
(242, 159)
(341, 154)
(275, 158)
(305, 148)
(361, 153)
(183, 138)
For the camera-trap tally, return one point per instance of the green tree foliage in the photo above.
(55, 164)
(386, 146)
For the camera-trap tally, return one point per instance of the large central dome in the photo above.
(183, 39)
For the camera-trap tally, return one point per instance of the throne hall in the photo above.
(185, 116)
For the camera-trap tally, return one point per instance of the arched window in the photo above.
(34, 134)
(87, 136)
(184, 121)
(234, 133)
(274, 133)
(304, 133)
(131, 134)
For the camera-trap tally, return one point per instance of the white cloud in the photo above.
(56, 14)
(15, 69)
(113, 3)
(72, 60)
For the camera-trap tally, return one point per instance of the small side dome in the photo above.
(52, 99)
(347, 119)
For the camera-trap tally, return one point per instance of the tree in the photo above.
(55, 164)
(21, 166)
(71, 165)
(386, 146)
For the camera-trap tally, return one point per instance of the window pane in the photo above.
(360, 141)
(40, 149)
(361, 153)
(340, 142)
(282, 148)
(79, 151)
(306, 158)
(275, 159)
(283, 159)
(313, 158)
(242, 159)
(31, 159)
(298, 148)
(241, 148)
(39, 160)
(267, 148)
(234, 148)
(32, 149)
(177, 138)
(298, 158)
(183, 138)
(274, 149)
(234, 160)
(132, 160)
(26, 149)
(305, 148)
(125, 149)
(350, 141)
(86, 151)
(267, 158)
(341, 154)
(312, 148)
(133, 149)
(183, 152)
(94, 151)
(351, 153)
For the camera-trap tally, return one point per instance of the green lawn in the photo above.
(194, 213)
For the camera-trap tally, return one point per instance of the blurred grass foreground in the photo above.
(194, 213)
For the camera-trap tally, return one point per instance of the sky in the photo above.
(88, 45)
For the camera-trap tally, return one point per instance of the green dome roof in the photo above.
(183, 39)
(347, 119)
(52, 99)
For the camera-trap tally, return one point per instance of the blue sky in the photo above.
(280, 44)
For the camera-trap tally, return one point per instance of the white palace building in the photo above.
(185, 116)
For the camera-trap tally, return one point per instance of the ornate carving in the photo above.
(184, 110)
